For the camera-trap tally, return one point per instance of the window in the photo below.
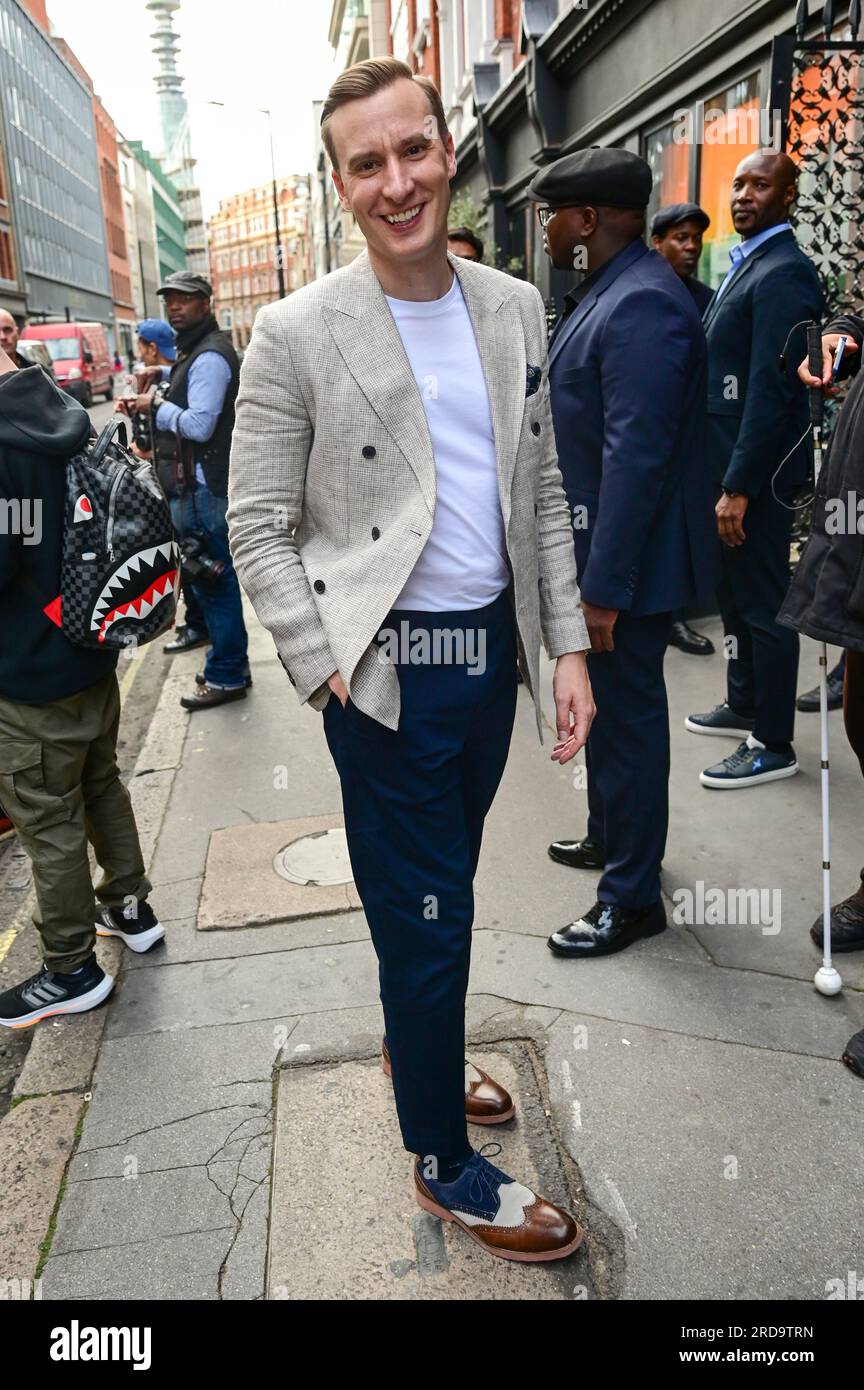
(669, 157)
(732, 131)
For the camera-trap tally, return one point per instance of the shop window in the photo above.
(667, 150)
(733, 128)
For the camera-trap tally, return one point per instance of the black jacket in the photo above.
(40, 427)
(213, 454)
(756, 412)
(826, 597)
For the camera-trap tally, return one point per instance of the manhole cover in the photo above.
(318, 861)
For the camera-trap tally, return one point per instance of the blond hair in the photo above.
(366, 78)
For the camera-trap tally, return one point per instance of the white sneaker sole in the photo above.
(715, 733)
(80, 1005)
(136, 941)
(720, 784)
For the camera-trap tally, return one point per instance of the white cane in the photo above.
(827, 980)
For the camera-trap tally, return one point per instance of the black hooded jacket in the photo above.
(40, 427)
(826, 598)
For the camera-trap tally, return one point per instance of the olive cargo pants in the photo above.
(61, 788)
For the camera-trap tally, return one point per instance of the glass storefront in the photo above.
(732, 130)
(694, 156)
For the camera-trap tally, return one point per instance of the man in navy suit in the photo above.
(757, 415)
(627, 370)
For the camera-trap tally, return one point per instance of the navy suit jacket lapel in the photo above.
(632, 253)
(741, 272)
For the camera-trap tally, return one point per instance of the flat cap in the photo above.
(604, 178)
(678, 212)
(186, 282)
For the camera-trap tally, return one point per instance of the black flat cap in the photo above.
(604, 178)
(678, 212)
(186, 282)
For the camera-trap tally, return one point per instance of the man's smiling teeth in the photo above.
(403, 216)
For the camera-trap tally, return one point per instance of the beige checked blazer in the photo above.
(332, 478)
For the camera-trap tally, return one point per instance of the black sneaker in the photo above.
(720, 720)
(51, 992)
(137, 925)
(749, 766)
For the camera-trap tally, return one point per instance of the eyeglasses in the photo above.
(545, 214)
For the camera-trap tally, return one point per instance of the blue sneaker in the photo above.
(749, 766)
(504, 1217)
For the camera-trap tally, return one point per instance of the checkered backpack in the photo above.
(120, 561)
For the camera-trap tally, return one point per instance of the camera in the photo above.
(196, 563)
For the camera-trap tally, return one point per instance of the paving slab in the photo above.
(394, 1250)
(640, 985)
(242, 887)
(182, 1266)
(206, 993)
(145, 1082)
(732, 1172)
(183, 942)
(36, 1139)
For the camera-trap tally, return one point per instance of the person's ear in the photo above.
(339, 185)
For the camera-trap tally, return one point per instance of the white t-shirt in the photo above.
(463, 563)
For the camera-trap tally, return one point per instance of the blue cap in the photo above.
(161, 333)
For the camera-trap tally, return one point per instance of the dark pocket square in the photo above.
(535, 376)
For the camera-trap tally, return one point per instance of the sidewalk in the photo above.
(240, 1139)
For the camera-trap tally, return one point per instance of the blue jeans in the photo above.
(415, 800)
(226, 663)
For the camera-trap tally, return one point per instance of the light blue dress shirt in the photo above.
(209, 379)
(738, 254)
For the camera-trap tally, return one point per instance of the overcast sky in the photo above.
(250, 53)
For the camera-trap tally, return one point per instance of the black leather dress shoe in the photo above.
(208, 696)
(808, 703)
(606, 928)
(847, 924)
(200, 679)
(578, 854)
(690, 641)
(185, 638)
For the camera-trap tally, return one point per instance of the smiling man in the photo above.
(394, 468)
(757, 414)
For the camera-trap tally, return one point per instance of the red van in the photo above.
(79, 352)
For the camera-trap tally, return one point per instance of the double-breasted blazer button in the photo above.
(375, 533)
(319, 586)
(536, 427)
(368, 451)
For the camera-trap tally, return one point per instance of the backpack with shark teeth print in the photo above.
(120, 566)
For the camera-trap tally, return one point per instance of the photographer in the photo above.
(192, 419)
(157, 349)
(826, 597)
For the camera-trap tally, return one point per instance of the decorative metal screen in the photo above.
(825, 137)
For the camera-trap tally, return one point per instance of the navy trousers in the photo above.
(627, 757)
(762, 672)
(415, 800)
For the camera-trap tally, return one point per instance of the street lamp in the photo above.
(280, 269)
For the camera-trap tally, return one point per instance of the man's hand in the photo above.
(145, 377)
(600, 622)
(339, 688)
(829, 347)
(133, 405)
(573, 701)
(730, 513)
